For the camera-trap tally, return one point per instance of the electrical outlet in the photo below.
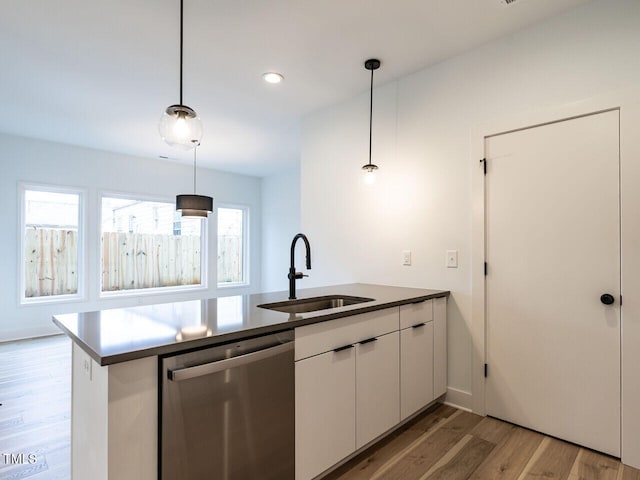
(86, 366)
(406, 257)
(452, 259)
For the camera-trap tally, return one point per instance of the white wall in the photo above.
(280, 222)
(28, 160)
(423, 125)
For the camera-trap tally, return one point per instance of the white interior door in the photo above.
(553, 248)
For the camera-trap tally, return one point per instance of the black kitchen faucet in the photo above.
(293, 275)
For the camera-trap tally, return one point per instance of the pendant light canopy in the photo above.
(180, 125)
(193, 205)
(369, 168)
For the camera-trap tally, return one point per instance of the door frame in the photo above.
(628, 104)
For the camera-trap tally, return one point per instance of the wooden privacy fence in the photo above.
(132, 260)
(229, 259)
(51, 262)
(129, 261)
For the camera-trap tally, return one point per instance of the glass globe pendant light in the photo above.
(193, 205)
(369, 168)
(180, 125)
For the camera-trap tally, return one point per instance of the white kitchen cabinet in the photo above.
(416, 357)
(325, 411)
(325, 336)
(358, 377)
(114, 415)
(415, 313)
(327, 372)
(439, 346)
(416, 368)
(377, 387)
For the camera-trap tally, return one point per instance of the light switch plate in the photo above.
(452, 259)
(406, 257)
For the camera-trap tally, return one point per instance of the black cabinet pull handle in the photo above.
(419, 301)
(607, 299)
(368, 340)
(419, 325)
(340, 349)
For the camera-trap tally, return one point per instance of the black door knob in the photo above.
(607, 299)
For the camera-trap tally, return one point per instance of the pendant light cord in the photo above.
(195, 148)
(181, 42)
(370, 116)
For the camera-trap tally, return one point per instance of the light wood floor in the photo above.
(35, 416)
(450, 444)
(442, 444)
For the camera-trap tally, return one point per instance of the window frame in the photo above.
(80, 296)
(246, 281)
(204, 252)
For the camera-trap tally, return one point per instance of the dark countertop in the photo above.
(123, 334)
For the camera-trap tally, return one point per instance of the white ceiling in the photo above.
(100, 73)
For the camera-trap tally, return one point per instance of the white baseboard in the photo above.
(26, 334)
(459, 399)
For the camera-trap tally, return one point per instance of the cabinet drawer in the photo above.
(325, 336)
(415, 313)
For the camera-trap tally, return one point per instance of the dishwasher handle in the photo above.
(186, 373)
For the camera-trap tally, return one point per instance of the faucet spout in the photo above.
(293, 275)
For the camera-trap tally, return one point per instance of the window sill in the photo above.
(151, 291)
(51, 300)
(233, 285)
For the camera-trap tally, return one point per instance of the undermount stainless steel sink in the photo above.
(316, 303)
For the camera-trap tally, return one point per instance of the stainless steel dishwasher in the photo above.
(228, 412)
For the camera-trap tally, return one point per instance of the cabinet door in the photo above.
(325, 411)
(377, 387)
(439, 347)
(416, 368)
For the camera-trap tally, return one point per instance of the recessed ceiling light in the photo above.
(272, 77)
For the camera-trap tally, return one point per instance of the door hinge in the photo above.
(486, 268)
(484, 165)
(620, 300)
(486, 370)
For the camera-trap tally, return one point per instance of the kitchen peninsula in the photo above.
(117, 383)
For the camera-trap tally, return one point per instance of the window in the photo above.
(232, 246)
(51, 244)
(147, 244)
